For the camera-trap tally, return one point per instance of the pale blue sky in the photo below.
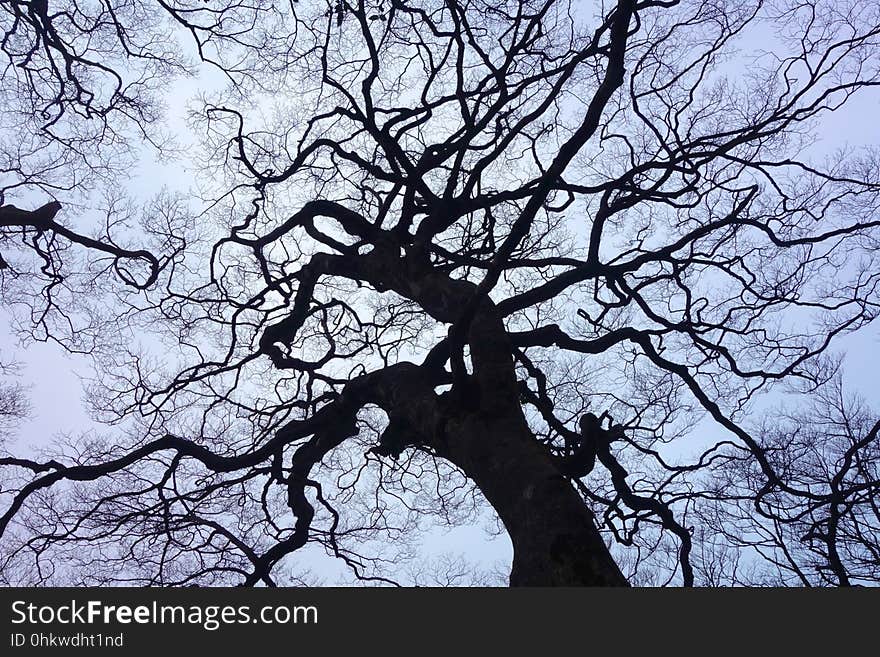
(54, 382)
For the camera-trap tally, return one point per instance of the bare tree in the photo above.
(826, 536)
(530, 255)
(14, 406)
(82, 85)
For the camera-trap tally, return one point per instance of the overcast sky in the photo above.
(56, 391)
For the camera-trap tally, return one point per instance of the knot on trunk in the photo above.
(582, 451)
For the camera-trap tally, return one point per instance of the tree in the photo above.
(536, 255)
(14, 405)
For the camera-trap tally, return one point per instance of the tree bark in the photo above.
(555, 541)
(479, 425)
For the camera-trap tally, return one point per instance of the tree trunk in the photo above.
(555, 542)
(480, 427)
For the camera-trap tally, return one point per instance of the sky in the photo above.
(54, 377)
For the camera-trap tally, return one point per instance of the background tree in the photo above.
(532, 254)
(13, 400)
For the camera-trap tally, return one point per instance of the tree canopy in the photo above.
(553, 261)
